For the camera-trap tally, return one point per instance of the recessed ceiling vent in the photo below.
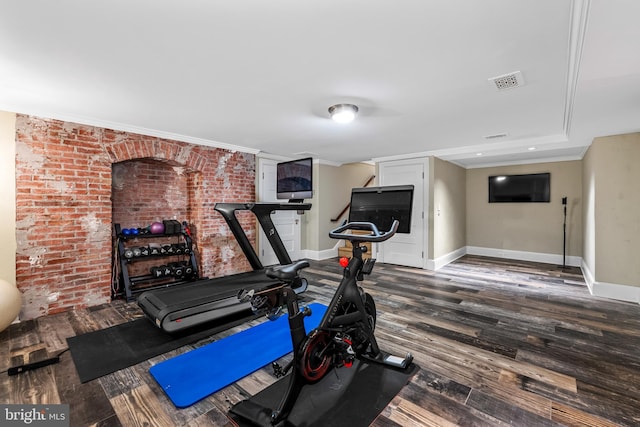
(507, 81)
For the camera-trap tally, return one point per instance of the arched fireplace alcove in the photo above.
(150, 190)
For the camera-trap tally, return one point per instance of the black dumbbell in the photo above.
(158, 271)
(167, 270)
(188, 270)
(177, 269)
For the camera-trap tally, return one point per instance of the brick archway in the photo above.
(132, 147)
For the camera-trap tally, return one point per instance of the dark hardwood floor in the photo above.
(499, 343)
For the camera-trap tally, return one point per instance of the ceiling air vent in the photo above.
(507, 81)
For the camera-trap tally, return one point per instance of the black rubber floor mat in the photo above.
(108, 350)
(349, 397)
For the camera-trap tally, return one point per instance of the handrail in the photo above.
(346, 208)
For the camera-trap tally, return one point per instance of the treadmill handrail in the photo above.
(262, 211)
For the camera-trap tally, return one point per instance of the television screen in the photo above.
(381, 205)
(520, 188)
(295, 179)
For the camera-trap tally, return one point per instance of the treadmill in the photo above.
(177, 308)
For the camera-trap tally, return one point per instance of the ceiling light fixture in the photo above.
(343, 113)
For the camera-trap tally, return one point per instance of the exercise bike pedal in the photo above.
(279, 371)
(259, 302)
(367, 266)
(245, 295)
(274, 313)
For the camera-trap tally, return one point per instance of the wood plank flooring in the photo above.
(499, 343)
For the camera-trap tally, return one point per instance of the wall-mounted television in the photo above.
(381, 205)
(529, 188)
(294, 179)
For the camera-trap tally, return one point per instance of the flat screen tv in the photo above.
(381, 205)
(530, 188)
(294, 180)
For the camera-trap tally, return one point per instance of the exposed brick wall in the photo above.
(64, 208)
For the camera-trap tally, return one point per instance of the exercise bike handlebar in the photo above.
(375, 236)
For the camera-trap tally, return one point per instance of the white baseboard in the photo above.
(601, 289)
(610, 290)
(588, 276)
(435, 264)
(573, 261)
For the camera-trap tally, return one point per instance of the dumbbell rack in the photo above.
(129, 285)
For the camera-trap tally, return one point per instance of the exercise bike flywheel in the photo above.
(315, 357)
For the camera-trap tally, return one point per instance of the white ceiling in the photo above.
(259, 76)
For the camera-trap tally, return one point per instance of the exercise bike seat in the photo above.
(288, 272)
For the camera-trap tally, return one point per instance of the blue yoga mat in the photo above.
(195, 375)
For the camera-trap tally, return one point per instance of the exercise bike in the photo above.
(346, 331)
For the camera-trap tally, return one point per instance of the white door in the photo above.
(287, 223)
(407, 249)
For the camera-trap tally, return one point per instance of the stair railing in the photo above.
(346, 208)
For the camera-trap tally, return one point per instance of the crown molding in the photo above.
(123, 127)
(578, 29)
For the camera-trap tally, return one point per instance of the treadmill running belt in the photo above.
(181, 307)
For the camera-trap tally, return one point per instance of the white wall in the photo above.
(617, 209)
(449, 209)
(531, 231)
(332, 192)
(8, 196)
